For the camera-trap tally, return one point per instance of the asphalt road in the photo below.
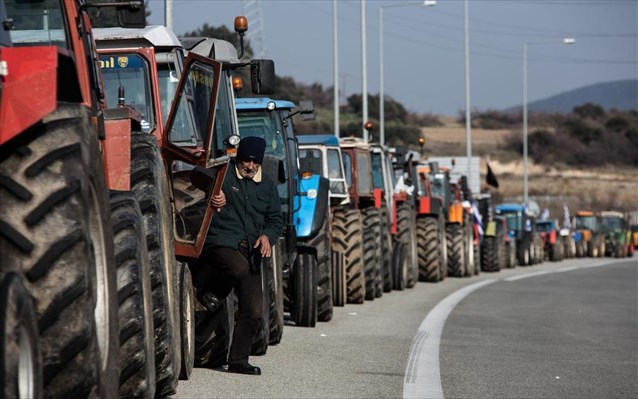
(566, 329)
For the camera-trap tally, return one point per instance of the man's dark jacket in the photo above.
(252, 209)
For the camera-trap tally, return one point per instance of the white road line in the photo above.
(422, 374)
(522, 276)
(566, 269)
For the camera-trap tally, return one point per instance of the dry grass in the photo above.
(551, 186)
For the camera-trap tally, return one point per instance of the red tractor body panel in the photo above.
(28, 89)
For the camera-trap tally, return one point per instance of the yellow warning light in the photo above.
(421, 141)
(238, 84)
(241, 24)
(306, 175)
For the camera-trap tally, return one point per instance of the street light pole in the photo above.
(335, 67)
(364, 71)
(468, 120)
(567, 40)
(427, 3)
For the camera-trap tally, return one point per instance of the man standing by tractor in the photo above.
(247, 223)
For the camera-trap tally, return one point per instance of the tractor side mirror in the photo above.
(132, 16)
(307, 110)
(262, 76)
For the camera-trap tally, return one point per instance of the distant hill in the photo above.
(620, 95)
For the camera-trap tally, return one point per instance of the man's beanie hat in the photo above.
(251, 149)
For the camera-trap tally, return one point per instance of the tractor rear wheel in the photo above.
(137, 350)
(338, 275)
(54, 233)
(213, 333)
(372, 251)
(399, 265)
(386, 250)
(304, 290)
(187, 321)
(430, 255)
(489, 254)
(21, 367)
(347, 237)
(406, 233)
(456, 250)
(149, 183)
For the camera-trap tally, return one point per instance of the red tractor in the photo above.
(60, 300)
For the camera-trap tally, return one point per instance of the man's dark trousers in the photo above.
(220, 270)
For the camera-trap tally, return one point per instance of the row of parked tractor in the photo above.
(112, 142)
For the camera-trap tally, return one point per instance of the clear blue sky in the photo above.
(424, 54)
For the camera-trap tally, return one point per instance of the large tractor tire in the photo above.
(303, 309)
(372, 252)
(339, 285)
(490, 261)
(430, 251)
(400, 259)
(443, 270)
(213, 333)
(271, 328)
(137, 349)
(456, 250)
(523, 255)
(386, 250)
(54, 233)
(276, 297)
(21, 364)
(347, 237)
(186, 321)
(320, 245)
(510, 254)
(406, 233)
(149, 184)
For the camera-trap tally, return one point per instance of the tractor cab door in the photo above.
(187, 145)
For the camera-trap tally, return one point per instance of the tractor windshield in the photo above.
(37, 23)
(131, 73)
(268, 126)
(335, 172)
(544, 226)
(168, 74)
(364, 173)
(224, 125)
(377, 170)
(586, 222)
(613, 224)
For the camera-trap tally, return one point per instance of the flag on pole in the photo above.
(566, 217)
(490, 178)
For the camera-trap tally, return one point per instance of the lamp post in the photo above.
(335, 57)
(427, 3)
(567, 40)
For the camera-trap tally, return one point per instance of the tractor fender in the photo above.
(310, 215)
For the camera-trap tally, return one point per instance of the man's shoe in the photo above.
(244, 368)
(210, 301)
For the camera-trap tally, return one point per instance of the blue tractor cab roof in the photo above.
(505, 208)
(261, 103)
(320, 139)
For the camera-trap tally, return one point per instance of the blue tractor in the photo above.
(304, 247)
(521, 225)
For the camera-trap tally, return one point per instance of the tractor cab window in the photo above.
(377, 170)
(335, 172)
(310, 160)
(364, 181)
(347, 165)
(131, 72)
(612, 224)
(169, 69)
(37, 23)
(586, 222)
(268, 126)
(224, 124)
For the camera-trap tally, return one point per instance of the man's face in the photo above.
(248, 169)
